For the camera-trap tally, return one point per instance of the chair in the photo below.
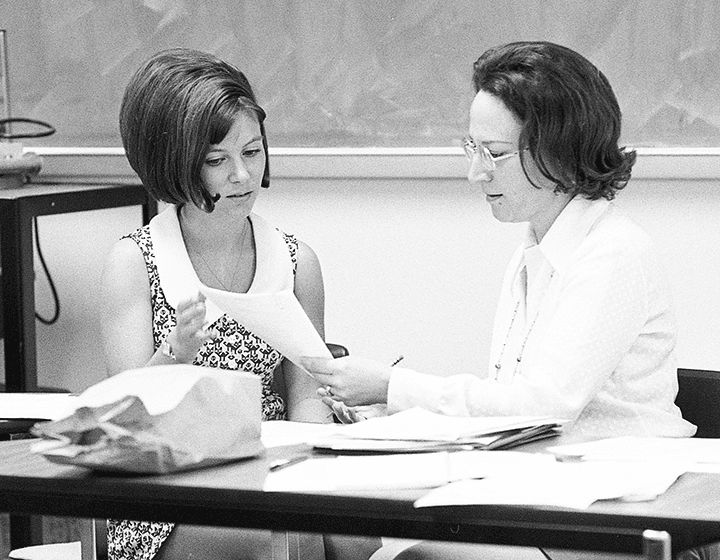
(699, 400)
(93, 543)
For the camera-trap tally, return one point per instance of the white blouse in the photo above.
(584, 330)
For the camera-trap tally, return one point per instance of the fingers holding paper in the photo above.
(353, 381)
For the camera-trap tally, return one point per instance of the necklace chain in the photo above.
(236, 270)
(518, 359)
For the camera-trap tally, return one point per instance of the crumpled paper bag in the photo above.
(159, 419)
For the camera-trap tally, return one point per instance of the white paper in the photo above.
(417, 424)
(572, 485)
(383, 472)
(277, 433)
(43, 406)
(701, 454)
(277, 318)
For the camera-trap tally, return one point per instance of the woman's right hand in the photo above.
(189, 333)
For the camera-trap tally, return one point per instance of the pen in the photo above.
(284, 463)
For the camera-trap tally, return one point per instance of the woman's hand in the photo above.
(189, 333)
(351, 380)
(348, 415)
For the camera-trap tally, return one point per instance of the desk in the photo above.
(18, 208)
(232, 495)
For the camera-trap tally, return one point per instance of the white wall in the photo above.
(411, 266)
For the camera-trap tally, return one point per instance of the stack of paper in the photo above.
(420, 430)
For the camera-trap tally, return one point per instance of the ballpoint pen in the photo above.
(284, 463)
(399, 359)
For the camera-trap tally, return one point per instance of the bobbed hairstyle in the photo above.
(175, 106)
(570, 116)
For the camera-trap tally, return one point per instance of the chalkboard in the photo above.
(363, 73)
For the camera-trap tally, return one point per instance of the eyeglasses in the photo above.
(471, 149)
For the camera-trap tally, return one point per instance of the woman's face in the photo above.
(233, 169)
(512, 197)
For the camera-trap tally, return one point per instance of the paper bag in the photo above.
(159, 419)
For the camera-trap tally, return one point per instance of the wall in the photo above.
(412, 266)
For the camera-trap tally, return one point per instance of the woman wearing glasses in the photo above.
(584, 328)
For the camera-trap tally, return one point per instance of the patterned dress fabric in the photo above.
(235, 348)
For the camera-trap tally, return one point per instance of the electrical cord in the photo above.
(47, 129)
(56, 315)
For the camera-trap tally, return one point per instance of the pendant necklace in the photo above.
(518, 359)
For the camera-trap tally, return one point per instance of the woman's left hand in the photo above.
(348, 415)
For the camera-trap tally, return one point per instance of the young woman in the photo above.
(194, 134)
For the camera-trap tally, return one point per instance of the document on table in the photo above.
(399, 471)
(702, 454)
(417, 429)
(37, 406)
(277, 433)
(572, 485)
(277, 318)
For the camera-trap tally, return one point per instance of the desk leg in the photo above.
(656, 545)
(18, 300)
(25, 531)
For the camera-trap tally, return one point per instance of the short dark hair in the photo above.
(569, 113)
(175, 106)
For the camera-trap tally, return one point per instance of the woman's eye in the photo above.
(496, 155)
(252, 152)
(214, 162)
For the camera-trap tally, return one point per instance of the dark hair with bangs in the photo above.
(570, 117)
(175, 106)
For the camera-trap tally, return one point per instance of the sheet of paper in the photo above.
(277, 318)
(277, 433)
(43, 406)
(382, 472)
(572, 485)
(702, 454)
(417, 424)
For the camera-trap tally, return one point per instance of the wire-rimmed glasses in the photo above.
(488, 160)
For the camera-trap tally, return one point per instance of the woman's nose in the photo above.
(239, 172)
(479, 171)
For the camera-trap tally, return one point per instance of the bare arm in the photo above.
(126, 315)
(304, 404)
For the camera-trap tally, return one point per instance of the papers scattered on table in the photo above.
(277, 318)
(702, 455)
(572, 485)
(281, 432)
(420, 430)
(36, 406)
(393, 471)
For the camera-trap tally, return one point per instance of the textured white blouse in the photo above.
(584, 330)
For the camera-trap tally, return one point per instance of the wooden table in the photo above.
(232, 495)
